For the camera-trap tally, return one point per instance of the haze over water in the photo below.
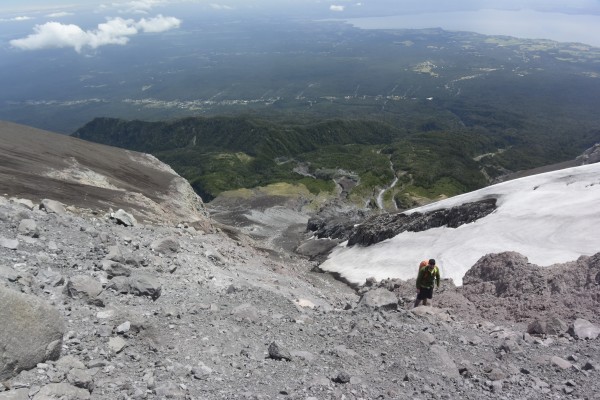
(526, 24)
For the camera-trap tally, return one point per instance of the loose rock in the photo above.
(31, 332)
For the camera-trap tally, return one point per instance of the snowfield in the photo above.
(550, 218)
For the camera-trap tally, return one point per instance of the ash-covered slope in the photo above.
(550, 218)
(36, 164)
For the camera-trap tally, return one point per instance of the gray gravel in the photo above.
(190, 314)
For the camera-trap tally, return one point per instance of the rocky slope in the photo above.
(154, 312)
(36, 164)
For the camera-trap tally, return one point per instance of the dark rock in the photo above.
(370, 282)
(536, 327)
(316, 249)
(336, 226)
(556, 326)
(142, 284)
(342, 377)
(589, 366)
(115, 269)
(277, 352)
(385, 226)
(547, 326)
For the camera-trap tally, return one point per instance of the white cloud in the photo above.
(137, 6)
(113, 31)
(16, 19)
(336, 8)
(59, 14)
(158, 24)
(220, 7)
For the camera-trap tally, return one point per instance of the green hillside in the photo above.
(225, 153)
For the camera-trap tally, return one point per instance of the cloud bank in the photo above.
(336, 8)
(114, 31)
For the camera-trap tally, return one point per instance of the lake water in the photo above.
(526, 24)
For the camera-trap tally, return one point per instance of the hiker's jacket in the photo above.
(426, 278)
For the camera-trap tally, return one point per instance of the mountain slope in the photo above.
(36, 164)
(549, 218)
(160, 311)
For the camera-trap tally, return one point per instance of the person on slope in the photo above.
(427, 278)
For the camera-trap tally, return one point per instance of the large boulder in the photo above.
(11, 244)
(379, 298)
(165, 245)
(84, 287)
(31, 332)
(506, 286)
(584, 329)
(113, 269)
(547, 326)
(142, 284)
(443, 363)
(62, 391)
(138, 284)
(124, 218)
(16, 394)
(28, 227)
(52, 207)
(316, 248)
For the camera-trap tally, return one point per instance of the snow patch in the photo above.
(550, 218)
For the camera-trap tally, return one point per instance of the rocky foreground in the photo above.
(101, 307)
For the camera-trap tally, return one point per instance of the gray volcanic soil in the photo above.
(230, 321)
(36, 165)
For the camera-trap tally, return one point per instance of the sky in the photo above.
(549, 218)
(88, 24)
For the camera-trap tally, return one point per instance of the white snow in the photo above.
(550, 218)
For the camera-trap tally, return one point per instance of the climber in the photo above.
(427, 278)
